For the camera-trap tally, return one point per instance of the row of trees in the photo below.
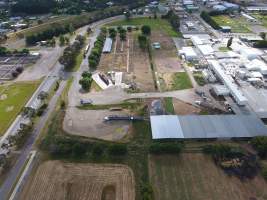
(207, 18)
(22, 135)
(68, 59)
(165, 147)
(49, 34)
(143, 38)
(95, 55)
(4, 51)
(64, 146)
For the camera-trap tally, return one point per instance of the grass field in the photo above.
(169, 105)
(181, 81)
(155, 24)
(239, 25)
(194, 176)
(13, 97)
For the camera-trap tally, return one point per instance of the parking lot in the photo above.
(10, 65)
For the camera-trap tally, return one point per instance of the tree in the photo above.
(146, 30)
(86, 80)
(263, 35)
(78, 149)
(230, 41)
(127, 15)
(61, 40)
(142, 39)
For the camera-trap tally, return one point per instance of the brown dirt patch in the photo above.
(140, 67)
(194, 176)
(55, 180)
(182, 108)
(166, 59)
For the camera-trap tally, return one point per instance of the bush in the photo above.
(260, 44)
(146, 30)
(78, 149)
(98, 150)
(19, 69)
(260, 144)
(264, 172)
(147, 192)
(161, 148)
(117, 149)
(15, 74)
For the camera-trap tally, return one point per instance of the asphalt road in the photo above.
(14, 173)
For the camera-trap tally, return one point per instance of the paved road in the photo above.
(15, 171)
(57, 71)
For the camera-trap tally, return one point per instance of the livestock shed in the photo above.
(206, 126)
(107, 46)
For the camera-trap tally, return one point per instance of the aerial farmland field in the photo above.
(61, 181)
(194, 176)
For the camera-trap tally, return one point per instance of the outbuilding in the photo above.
(189, 53)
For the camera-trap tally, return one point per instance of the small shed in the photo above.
(107, 46)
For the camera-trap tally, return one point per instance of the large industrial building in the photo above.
(206, 126)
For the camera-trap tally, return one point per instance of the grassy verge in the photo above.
(225, 49)
(181, 81)
(12, 99)
(238, 25)
(155, 24)
(169, 105)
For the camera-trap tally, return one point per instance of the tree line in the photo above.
(68, 59)
(95, 55)
(173, 19)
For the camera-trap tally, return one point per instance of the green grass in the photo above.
(169, 105)
(155, 24)
(124, 105)
(238, 25)
(12, 99)
(224, 49)
(181, 81)
(199, 78)
(78, 61)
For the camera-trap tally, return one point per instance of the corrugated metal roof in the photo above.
(206, 126)
(107, 46)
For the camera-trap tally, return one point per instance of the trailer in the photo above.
(126, 118)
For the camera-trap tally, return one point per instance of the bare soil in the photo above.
(56, 180)
(182, 108)
(90, 123)
(194, 176)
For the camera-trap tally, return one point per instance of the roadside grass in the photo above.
(238, 25)
(155, 24)
(225, 49)
(12, 100)
(78, 61)
(199, 78)
(95, 87)
(181, 81)
(123, 105)
(169, 105)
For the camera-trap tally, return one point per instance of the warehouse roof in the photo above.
(206, 126)
(107, 46)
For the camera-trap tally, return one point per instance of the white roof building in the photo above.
(189, 53)
(228, 82)
(206, 49)
(257, 65)
(250, 53)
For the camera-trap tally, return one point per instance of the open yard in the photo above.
(63, 181)
(13, 97)
(194, 176)
(238, 24)
(155, 24)
(176, 81)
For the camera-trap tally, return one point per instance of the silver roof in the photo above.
(206, 126)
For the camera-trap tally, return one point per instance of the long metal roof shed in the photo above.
(107, 46)
(206, 126)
